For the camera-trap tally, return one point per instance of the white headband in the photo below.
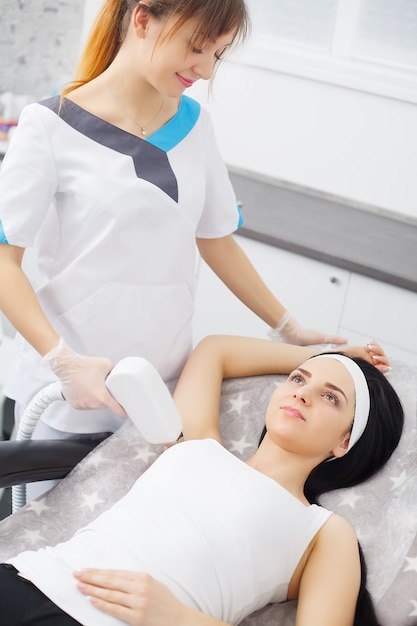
(362, 402)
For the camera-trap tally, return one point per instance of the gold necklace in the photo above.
(143, 127)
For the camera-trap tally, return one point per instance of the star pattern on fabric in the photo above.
(144, 454)
(237, 404)
(350, 498)
(239, 445)
(96, 459)
(412, 564)
(398, 480)
(414, 611)
(33, 536)
(38, 506)
(91, 500)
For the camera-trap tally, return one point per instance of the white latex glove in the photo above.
(290, 331)
(82, 378)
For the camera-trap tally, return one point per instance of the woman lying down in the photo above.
(203, 538)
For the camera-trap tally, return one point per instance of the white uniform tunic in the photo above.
(223, 537)
(113, 218)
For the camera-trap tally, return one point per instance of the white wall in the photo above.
(91, 9)
(340, 141)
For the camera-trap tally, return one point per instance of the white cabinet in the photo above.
(384, 312)
(312, 291)
(318, 295)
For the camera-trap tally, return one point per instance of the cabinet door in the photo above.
(376, 310)
(312, 291)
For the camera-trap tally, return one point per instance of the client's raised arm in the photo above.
(218, 357)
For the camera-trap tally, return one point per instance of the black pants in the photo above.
(22, 604)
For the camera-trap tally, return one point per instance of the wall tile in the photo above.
(39, 44)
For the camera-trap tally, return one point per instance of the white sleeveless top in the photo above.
(223, 537)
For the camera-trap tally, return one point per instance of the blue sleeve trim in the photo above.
(3, 238)
(241, 219)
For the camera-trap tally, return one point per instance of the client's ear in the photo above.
(341, 449)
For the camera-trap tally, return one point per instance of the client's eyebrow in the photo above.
(329, 385)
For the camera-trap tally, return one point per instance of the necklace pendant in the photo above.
(143, 131)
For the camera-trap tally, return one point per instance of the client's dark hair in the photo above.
(370, 453)
(377, 443)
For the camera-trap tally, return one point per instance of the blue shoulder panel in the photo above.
(178, 127)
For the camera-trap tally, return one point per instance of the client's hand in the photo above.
(135, 598)
(373, 353)
(82, 378)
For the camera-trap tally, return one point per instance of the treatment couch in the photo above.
(383, 510)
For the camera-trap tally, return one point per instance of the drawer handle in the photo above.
(334, 280)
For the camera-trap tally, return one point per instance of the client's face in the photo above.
(311, 413)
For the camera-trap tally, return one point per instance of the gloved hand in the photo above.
(290, 331)
(82, 378)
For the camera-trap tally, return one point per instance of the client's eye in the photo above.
(296, 378)
(332, 397)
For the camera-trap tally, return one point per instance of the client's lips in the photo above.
(293, 412)
(185, 82)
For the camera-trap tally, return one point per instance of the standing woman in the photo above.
(114, 183)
